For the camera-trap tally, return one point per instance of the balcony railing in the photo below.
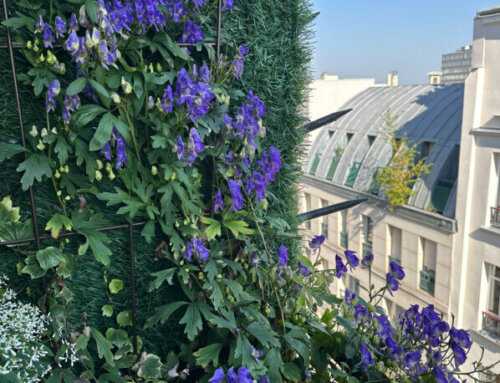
(427, 279)
(495, 217)
(367, 248)
(344, 240)
(324, 229)
(491, 324)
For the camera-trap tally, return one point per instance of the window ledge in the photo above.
(491, 229)
(485, 336)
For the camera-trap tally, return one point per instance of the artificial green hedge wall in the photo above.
(277, 33)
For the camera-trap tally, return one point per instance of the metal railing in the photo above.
(427, 280)
(491, 324)
(495, 217)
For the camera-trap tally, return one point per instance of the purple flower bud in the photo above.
(396, 270)
(197, 248)
(227, 4)
(217, 377)
(392, 283)
(340, 268)
(316, 242)
(439, 375)
(352, 259)
(303, 269)
(218, 202)
(192, 33)
(72, 43)
(367, 260)
(60, 27)
(256, 354)
(244, 375)
(52, 91)
(236, 196)
(461, 337)
(48, 38)
(283, 256)
(39, 25)
(231, 376)
(411, 359)
(264, 379)
(365, 354)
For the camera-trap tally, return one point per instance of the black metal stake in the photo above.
(132, 286)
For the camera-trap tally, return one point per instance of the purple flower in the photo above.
(303, 269)
(396, 270)
(439, 375)
(256, 354)
(392, 283)
(217, 377)
(316, 242)
(436, 357)
(73, 23)
(352, 259)
(458, 353)
(177, 10)
(236, 196)
(411, 359)
(244, 375)
(367, 260)
(194, 147)
(283, 256)
(340, 268)
(167, 101)
(106, 55)
(197, 248)
(349, 297)
(48, 38)
(192, 33)
(365, 354)
(106, 151)
(238, 61)
(218, 202)
(60, 27)
(264, 379)
(461, 337)
(180, 148)
(395, 350)
(72, 43)
(231, 376)
(71, 103)
(227, 4)
(254, 259)
(121, 145)
(53, 90)
(205, 73)
(39, 25)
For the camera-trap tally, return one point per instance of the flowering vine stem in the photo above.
(132, 133)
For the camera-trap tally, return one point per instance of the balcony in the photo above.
(324, 229)
(367, 248)
(491, 324)
(427, 279)
(495, 217)
(344, 239)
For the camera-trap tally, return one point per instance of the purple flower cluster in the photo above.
(237, 67)
(194, 147)
(316, 242)
(53, 91)
(340, 267)
(258, 182)
(227, 4)
(197, 96)
(197, 248)
(394, 276)
(218, 201)
(243, 376)
(192, 33)
(120, 144)
(71, 103)
(236, 196)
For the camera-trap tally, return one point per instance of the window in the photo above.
(325, 140)
(495, 209)
(324, 220)
(393, 311)
(491, 318)
(307, 207)
(428, 271)
(395, 235)
(367, 235)
(343, 225)
(353, 285)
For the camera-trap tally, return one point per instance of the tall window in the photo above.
(367, 235)
(353, 285)
(491, 318)
(324, 220)
(393, 311)
(307, 207)
(343, 232)
(428, 272)
(495, 209)
(395, 244)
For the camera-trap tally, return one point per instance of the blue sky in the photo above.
(370, 38)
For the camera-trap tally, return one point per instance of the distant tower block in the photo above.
(393, 79)
(434, 77)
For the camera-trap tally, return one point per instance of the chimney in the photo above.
(434, 78)
(393, 78)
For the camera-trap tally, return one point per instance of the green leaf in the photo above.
(175, 49)
(151, 368)
(163, 313)
(101, 91)
(264, 334)
(161, 276)
(103, 132)
(92, 10)
(192, 320)
(148, 232)
(35, 167)
(62, 149)
(292, 372)
(273, 358)
(244, 350)
(86, 114)
(117, 337)
(297, 339)
(96, 241)
(34, 271)
(186, 202)
(19, 22)
(347, 324)
(76, 86)
(237, 227)
(208, 354)
(48, 257)
(56, 223)
(124, 318)
(8, 151)
(82, 153)
(214, 228)
(103, 346)
(107, 311)
(115, 286)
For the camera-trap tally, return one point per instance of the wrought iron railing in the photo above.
(495, 217)
(491, 324)
(427, 280)
(344, 239)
